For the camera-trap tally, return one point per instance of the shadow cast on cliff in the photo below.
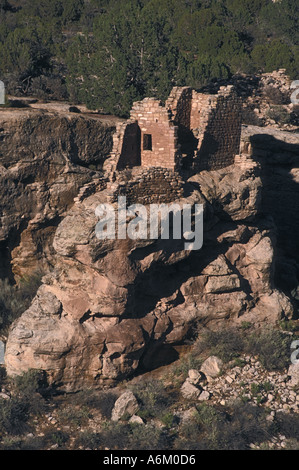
(278, 214)
(163, 281)
(279, 209)
(280, 201)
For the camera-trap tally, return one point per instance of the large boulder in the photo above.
(211, 367)
(111, 307)
(125, 405)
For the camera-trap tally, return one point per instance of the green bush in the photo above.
(279, 114)
(148, 437)
(292, 444)
(106, 403)
(29, 388)
(14, 414)
(100, 400)
(74, 415)
(270, 345)
(255, 389)
(2, 374)
(58, 437)
(88, 440)
(272, 348)
(232, 428)
(185, 363)
(189, 437)
(30, 382)
(275, 96)
(203, 431)
(227, 344)
(26, 401)
(210, 421)
(115, 435)
(245, 425)
(168, 419)
(153, 398)
(288, 325)
(133, 436)
(288, 425)
(32, 443)
(250, 118)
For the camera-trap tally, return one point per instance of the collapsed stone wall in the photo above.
(149, 186)
(98, 183)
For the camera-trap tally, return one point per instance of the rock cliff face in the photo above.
(110, 307)
(277, 153)
(45, 158)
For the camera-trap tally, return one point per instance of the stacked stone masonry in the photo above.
(200, 129)
(219, 130)
(149, 186)
(159, 142)
(99, 183)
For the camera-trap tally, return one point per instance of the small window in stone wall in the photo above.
(147, 142)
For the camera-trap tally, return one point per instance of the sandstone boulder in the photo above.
(293, 373)
(194, 376)
(189, 390)
(126, 404)
(211, 367)
(205, 395)
(136, 419)
(109, 307)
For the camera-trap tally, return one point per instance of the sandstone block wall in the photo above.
(149, 186)
(219, 129)
(98, 183)
(130, 152)
(202, 105)
(159, 142)
(204, 128)
(180, 105)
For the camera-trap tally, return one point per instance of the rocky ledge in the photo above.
(46, 155)
(111, 308)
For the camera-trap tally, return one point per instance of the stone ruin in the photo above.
(110, 309)
(193, 131)
(159, 144)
